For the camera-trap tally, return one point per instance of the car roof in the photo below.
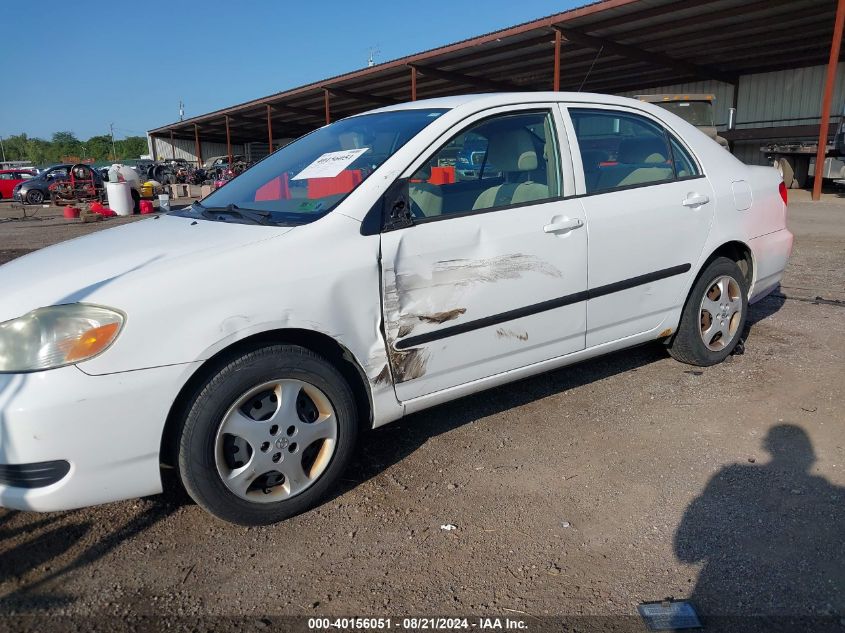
(493, 99)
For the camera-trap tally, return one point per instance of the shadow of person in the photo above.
(771, 536)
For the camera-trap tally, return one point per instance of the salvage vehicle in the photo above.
(246, 340)
(37, 190)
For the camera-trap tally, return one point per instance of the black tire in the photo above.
(688, 345)
(35, 196)
(214, 398)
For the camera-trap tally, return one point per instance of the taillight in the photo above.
(782, 190)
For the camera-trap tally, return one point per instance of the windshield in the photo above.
(698, 113)
(307, 178)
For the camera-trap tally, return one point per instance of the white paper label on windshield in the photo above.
(330, 164)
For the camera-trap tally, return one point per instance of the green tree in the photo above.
(15, 147)
(98, 147)
(132, 147)
(65, 144)
(39, 151)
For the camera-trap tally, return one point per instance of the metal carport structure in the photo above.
(612, 46)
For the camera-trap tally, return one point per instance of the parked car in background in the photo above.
(11, 178)
(215, 162)
(37, 190)
(221, 341)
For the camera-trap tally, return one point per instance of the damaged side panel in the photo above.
(443, 281)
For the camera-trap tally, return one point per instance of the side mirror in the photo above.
(396, 206)
(732, 118)
(390, 212)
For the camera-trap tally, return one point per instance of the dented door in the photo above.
(479, 293)
(463, 271)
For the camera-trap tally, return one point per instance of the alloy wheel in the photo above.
(720, 313)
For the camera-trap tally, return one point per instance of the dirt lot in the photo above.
(581, 492)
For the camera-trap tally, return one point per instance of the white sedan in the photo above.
(351, 278)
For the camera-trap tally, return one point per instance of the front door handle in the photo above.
(695, 200)
(563, 225)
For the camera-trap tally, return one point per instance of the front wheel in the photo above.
(714, 315)
(35, 196)
(267, 435)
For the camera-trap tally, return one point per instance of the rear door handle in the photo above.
(563, 225)
(695, 200)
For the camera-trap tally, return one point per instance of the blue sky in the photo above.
(81, 69)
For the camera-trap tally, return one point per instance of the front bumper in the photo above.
(107, 428)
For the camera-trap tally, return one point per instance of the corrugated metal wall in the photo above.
(775, 99)
(786, 97)
(185, 148)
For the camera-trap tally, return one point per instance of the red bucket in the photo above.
(146, 206)
(71, 212)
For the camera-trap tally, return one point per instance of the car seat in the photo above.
(426, 198)
(512, 152)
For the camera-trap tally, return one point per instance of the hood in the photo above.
(83, 268)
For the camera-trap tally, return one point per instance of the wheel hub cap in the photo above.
(276, 440)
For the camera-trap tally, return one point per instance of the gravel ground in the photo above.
(585, 491)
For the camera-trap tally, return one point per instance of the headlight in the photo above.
(56, 336)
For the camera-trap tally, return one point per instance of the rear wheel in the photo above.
(714, 315)
(267, 436)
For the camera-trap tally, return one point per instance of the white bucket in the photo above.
(120, 197)
(163, 202)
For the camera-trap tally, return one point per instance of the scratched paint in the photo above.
(505, 333)
(414, 296)
(440, 317)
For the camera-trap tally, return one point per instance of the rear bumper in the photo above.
(771, 253)
(69, 440)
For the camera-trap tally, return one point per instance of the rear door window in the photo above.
(620, 150)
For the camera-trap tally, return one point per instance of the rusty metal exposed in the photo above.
(441, 317)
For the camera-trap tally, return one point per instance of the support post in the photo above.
(827, 97)
(172, 147)
(327, 106)
(556, 80)
(413, 84)
(197, 145)
(269, 130)
(228, 142)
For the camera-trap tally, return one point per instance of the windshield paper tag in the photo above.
(330, 164)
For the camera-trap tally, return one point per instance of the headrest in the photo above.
(649, 149)
(512, 150)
